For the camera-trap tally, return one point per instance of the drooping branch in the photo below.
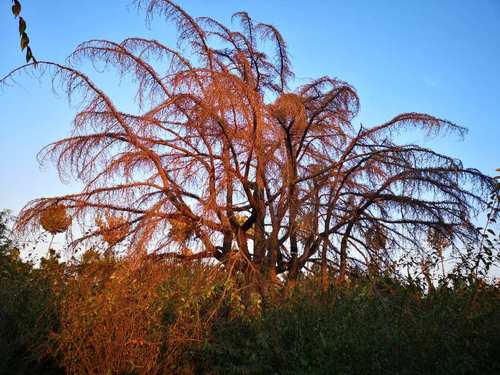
(218, 156)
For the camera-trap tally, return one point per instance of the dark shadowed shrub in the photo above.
(27, 311)
(366, 328)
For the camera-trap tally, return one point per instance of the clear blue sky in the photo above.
(440, 57)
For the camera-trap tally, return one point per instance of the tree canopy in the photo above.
(228, 158)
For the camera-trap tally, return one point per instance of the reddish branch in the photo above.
(219, 136)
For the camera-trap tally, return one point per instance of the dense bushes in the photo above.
(27, 310)
(131, 316)
(102, 315)
(364, 329)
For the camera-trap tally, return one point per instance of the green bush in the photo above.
(27, 311)
(364, 329)
(196, 319)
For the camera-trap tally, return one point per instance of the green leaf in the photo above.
(24, 41)
(22, 25)
(16, 8)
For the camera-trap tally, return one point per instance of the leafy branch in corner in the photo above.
(24, 39)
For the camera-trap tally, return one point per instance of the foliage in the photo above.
(238, 199)
(218, 135)
(27, 309)
(108, 318)
(101, 314)
(138, 316)
(482, 256)
(489, 248)
(24, 39)
(366, 328)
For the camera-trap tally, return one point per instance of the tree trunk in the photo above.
(324, 266)
(343, 253)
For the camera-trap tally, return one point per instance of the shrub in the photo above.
(27, 310)
(365, 328)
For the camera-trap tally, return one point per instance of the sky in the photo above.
(439, 57)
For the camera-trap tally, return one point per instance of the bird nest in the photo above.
(55, 219)
(113, 229)
(181, 229)
(289, 108)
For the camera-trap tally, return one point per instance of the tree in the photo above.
(223, 158)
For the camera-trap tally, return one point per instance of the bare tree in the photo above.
(224, 158)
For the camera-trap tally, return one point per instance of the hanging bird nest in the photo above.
(376, 238)
(181, 229)
(439, 238)
(289, 107)
(55, 219)
(113, 229)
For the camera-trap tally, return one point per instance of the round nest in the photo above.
(181, 230)
(114, 229)
(289, 108)
(55, 219)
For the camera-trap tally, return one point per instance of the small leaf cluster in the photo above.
(24, 39)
